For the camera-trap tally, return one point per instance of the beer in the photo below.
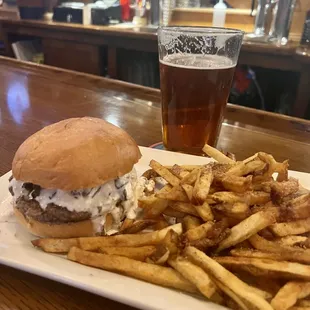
(195, 89)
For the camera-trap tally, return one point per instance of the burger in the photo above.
(69, 177)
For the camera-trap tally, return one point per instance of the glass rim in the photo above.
(201, 30)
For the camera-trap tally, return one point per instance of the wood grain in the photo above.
(33, 96)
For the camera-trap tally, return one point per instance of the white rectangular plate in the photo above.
(16, 251)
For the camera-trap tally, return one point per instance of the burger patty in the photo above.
(51, 214)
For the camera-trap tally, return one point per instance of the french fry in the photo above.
(184, 207)
(139, 253)
(205, 212)
(304, 303)
(289, 294)
(283, 189)
(129, 267)
(93, 243)
(191, 178)
(150, 174)
(196, 276)
(160, 256)
(176, 194)
(165, 173)
(161, 223)
(138, 226)
(247, 228)
(217, 155)
(188, 189)
(238, 210)
(283, 172)
(202, 185)
(190, 222)
(237, 184)
(291, 240)
(266, 267)
(172, 242)
(174, 213)
(126, 224)
(297, 208)
(199, 232)
(179, 171)
(291, 228)
(156, 208)
(226, 278)
(108, 222)
(288, 253)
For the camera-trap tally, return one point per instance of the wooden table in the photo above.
(92, 48)
(33, 96)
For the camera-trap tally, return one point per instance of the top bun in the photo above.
(75, 153)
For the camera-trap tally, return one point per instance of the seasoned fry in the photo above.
(283, 189)
(190, 222)
(199, 232)
(256, 254)
(291, 240)
(297, 208)
(93, 243)
(138, 226)
(184, 207)
(155, 208)
(108, 222)
(188, 189)
(238, 210)
(288, 253)
(237, 184)
(205, 212)
(291, 228)
(304, 303)
(196, 276)
(202, 185)
(136, 269)
(176, 193)
(247, 228)
(179, 171)
(165, 173)
(160, 256)
(191, 178)
(289, 294)
(174, 213)
(217, 155)
(226, 278)
(172, 242)
(139, 253)
(266, 267)
(126, 224)
(283, 172)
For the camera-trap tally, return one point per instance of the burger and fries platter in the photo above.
(219, 232)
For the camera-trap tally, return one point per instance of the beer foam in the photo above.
(198, 61)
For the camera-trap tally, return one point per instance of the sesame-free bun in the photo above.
(50, 230)
(75, 153)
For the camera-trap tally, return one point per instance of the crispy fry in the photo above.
(304, 303)
(247, 228)
(256, 254)
(108, 222)
(266, 267)
(289, 294)
(198, 232)
(283, 189)
(176, 194)
(126, 224)
(226, 278)
(139, 253)
(188, 189)
(172, 242)
(202, 185)
(161, 223)
(173, 213)
(190, 222)
(291, 240)
(93, 243)
(217, 155)
(237, 184)
(143, 271)
(191, 178)
(178, 171)
(196, 276)
(160, 256)
(184, 207)
(138, 226)
(288, 253)
(238, 210)
(291, 228)
(205, 212)
(155, 208)
(283, 172)
(297, 208)
(165, 173)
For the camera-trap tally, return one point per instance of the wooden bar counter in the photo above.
(33, 96)
(99, 50)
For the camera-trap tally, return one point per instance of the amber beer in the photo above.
(195, 89)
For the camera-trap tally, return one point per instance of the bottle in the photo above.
(219, 14)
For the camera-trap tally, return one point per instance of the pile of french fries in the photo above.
(236, 232)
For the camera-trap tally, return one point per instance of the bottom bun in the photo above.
(64, 230)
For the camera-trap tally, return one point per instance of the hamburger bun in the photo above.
(63, 230)
(74, 154)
